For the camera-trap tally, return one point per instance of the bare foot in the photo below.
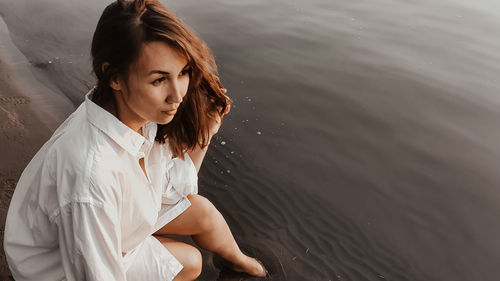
(250, 266)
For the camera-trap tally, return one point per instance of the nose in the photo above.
(174, 93)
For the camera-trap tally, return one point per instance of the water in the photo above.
(363, 140)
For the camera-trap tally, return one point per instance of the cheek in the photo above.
(152, 98)
(143, 97)
(185, 86)
(133, 89)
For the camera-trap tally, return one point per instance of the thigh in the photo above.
(153, 262)
(193, 220)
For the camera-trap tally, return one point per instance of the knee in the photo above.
(192, 264)
(207, 214)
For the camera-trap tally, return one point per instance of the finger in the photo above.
(227, 109)
(221, 108)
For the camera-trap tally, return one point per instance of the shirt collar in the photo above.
(127, 138)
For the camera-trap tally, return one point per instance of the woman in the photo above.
(122, 168)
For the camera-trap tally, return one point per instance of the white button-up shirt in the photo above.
(83, 200)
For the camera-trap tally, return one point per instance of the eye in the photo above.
(158, 81)
(185, 71)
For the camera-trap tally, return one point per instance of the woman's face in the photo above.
(156, 85)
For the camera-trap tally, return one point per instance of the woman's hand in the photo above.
(198, 153)
(216, 122)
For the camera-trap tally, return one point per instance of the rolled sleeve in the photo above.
(182, 180)
(90, 242)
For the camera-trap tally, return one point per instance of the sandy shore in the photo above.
(29, 113)
(21, 135)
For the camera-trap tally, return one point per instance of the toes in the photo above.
(252, 266)
(263, 271)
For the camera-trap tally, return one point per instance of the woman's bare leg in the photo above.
(187, 255)
(210, 231)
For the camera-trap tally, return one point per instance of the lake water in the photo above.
(364, 139)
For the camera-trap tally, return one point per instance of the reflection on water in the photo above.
(363, 144)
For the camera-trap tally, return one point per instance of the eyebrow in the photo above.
(164, 72)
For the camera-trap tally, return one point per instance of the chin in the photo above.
(164, 121)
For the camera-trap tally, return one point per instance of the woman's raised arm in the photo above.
(198, 154)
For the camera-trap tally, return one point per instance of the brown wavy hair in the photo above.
(122, 30)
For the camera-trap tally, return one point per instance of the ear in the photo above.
(114, 82)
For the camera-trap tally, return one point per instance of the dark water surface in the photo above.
(364, 140)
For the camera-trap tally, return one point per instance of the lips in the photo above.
(170, 112)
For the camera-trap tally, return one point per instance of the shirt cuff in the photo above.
(183, 180)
